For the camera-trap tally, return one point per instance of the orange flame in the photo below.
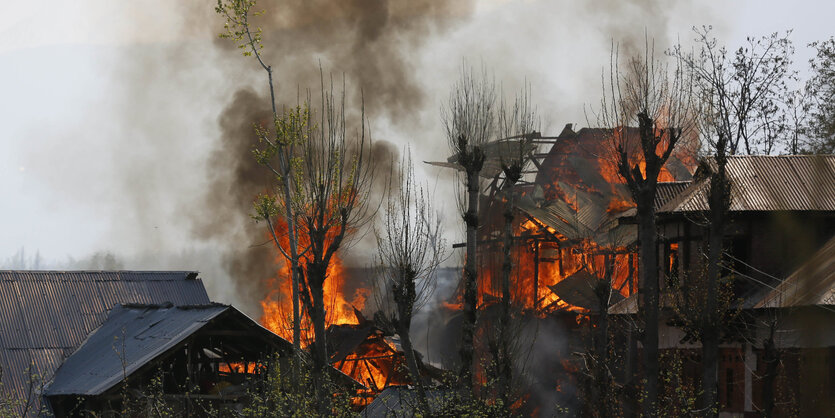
(277, 306)
(377, 364)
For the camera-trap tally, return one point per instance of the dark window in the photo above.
(737, 256)
(736, 263)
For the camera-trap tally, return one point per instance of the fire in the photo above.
(239, 368)
(581, 173)
(377, 364)
(277, 306)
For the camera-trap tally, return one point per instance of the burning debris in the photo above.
(574, 214)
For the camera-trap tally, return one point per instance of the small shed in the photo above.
(197, 356)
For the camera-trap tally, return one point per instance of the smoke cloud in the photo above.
(164, 160)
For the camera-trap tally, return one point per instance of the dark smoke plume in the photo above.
(165, 158)
(367, 42)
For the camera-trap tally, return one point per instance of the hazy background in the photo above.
(125, 126)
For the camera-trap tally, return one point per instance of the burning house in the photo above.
(84, 341)
(570, 213)
(574, 228)
(373, 357)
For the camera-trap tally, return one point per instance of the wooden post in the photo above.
(750, 364)
(535, 273)
(189, 376)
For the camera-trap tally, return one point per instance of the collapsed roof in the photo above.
(495, 152)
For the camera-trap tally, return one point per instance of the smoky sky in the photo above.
(163, 158)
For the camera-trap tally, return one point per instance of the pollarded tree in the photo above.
(517, 123)
(659, 100)
(410, 249)
(470, 123)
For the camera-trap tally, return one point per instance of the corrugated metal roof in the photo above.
(129, 338)
(25, 367)
(667, 191)
(573, 223)
(44, 314)
(812, 284)
(768, 183)
(589, 220)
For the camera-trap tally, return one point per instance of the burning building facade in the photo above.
(574, 229)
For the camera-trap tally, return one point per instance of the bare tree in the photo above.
(332, 185)
(324, 178)
(470, 122)
(741, 89)
(798, 103)
(659, 99)
(822, 91)
(409, 251)
(733, 88)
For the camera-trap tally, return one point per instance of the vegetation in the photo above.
(821, 90)
(323, 180)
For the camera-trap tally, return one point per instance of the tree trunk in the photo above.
(320, 346)
(601, 340)
(649, 295)
(403, 326)
(772, 361)
(470, 281)
(505, 366)
(294, 258)
(710, 317)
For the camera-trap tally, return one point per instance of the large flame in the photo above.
(578, 163)
(376, 363)
(277, 306)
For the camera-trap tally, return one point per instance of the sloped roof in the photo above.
(130, 338)
(812, 284)
(573, 223)
(578, 290)
(45, 315)
(668, 190)
(767, 183)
